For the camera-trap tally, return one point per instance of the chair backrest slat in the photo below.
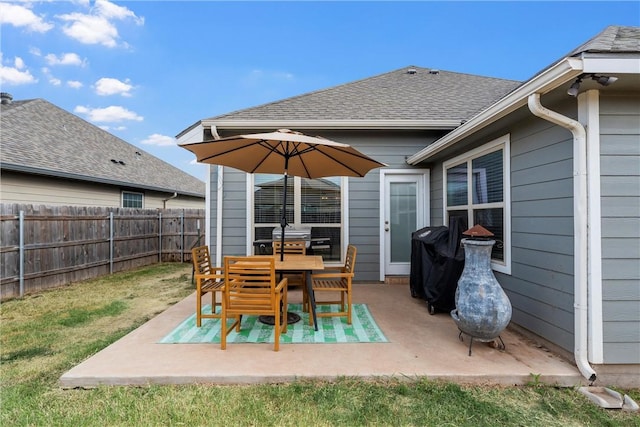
(201, 259)
(290, 247)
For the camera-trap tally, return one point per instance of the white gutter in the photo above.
(580, 230)
(557, 75)
(333, 124)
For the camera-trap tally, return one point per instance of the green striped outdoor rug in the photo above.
(330, 329)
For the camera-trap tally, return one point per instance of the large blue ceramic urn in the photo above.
(483, 310)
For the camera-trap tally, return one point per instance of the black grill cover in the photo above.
(437, 260)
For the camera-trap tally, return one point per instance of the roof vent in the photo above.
(412, 71)
(5, 98)
(433, 71)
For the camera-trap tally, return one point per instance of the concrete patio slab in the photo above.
(420, 345)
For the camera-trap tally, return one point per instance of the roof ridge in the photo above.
(353, 83)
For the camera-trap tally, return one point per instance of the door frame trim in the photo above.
(426, 179)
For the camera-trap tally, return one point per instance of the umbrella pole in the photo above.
(283, 220)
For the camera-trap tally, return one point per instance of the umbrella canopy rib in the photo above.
(270, 149)
(341, 162)
(206, 159)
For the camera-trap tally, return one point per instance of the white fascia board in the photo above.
(334, 124)
(551, 78)
(194, 134)
(627, 65)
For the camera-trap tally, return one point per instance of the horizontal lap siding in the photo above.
(541, 282)
(437, 197)
(620, 191)
(234, 219)
(364, 193)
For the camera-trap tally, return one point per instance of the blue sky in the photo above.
(146, 70)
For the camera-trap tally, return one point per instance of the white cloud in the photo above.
(97, 27)
(18, 63)
(159, 140)
(50, 77)
(74, 84)
(112, 114)
(21, 16)
(108, 86)
(90, 29)
(110, 10)
(15, 75)
(64, 59)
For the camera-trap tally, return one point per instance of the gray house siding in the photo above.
(234, 218)
(540, 285)
(437, 197)
(620, 220)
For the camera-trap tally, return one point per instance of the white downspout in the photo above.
(219, 200)
(220, 194)
(580, 229)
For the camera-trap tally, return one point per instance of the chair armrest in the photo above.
(210, 276)
(283, 284)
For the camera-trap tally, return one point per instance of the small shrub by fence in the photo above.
(43, 247)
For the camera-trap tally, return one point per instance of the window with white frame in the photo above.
(314, 204)
(132, 200)
(476, 189)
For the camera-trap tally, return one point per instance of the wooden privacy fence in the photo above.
(47, 246)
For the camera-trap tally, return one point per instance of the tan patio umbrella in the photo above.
(287, 152)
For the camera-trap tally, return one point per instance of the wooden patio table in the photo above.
(306, 263)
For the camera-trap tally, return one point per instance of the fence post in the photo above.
(160, 237)
(110, 242)
(182, 236)
(21, 251)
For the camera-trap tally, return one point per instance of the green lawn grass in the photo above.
(42, 336)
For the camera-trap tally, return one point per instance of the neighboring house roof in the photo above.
(410, 97)
(41, 138)
(614, 42)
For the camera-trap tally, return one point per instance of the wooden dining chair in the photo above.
(293, 247)
(339, 282)
(251, 288)
(209, 279)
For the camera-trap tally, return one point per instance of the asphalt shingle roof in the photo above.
(613, 39)
(426, 94)
(37, 135)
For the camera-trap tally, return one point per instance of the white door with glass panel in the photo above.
(405, 195)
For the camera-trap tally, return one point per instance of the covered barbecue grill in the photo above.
(437, 261)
